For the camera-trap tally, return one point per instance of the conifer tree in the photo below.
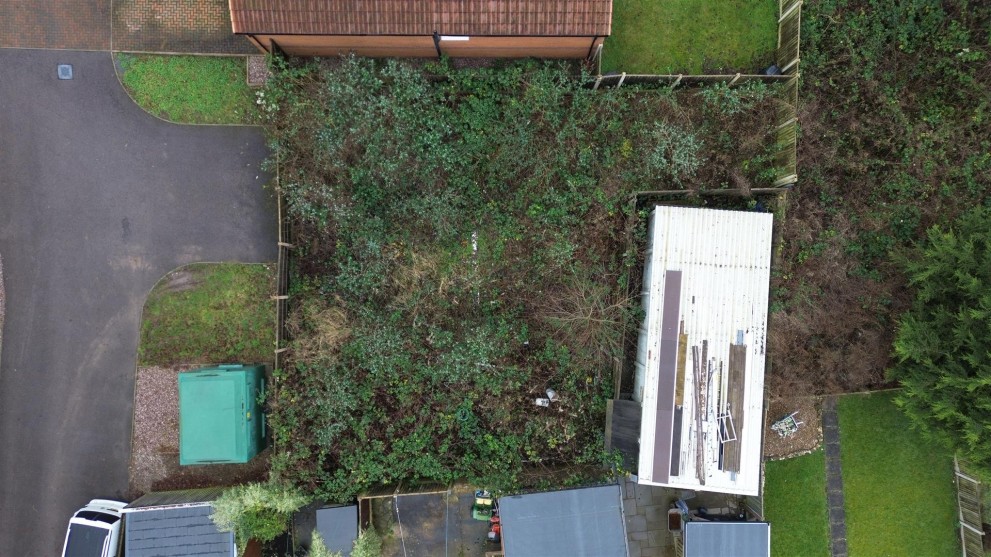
(943, 343)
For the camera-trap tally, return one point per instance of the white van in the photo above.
(94, 531)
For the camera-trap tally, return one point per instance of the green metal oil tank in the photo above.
(220, 420)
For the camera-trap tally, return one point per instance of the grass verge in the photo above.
(190, 89)
(795, 505)
(209, 313)
(691, 36)
(897, 486)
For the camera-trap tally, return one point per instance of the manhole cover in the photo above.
(65, 71)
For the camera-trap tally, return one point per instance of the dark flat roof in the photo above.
(339, 528)
(727, 539)
(585, 522)
(175, 532)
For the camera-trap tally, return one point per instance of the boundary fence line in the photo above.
(281, 296)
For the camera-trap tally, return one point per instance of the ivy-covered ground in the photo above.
(895, 117)
(460, 250)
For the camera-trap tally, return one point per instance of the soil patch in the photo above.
(155, 441)
(179, 281)
(809, 434)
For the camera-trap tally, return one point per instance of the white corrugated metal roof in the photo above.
(717, 264)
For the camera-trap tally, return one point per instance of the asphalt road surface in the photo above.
(98, 200)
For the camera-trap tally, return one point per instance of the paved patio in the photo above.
(185, 26)
(172, 26)
(58, 24)
(646, 510)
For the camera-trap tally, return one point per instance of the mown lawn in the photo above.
(691, 36)
(795, 505)
(210, 313)
(190, 89)
(898, 487)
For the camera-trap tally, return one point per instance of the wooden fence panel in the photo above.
(789, 35)
(969, 512)
(786, 148)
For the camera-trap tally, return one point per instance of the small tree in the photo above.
(943, 343)
(318, 548)
(256, 511)
(368, 544)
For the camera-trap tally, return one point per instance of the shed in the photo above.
(426, 28)
(570, 523)
(727, 539)
(220, 419)
(701, 349)
(175, 524)
(338, 526)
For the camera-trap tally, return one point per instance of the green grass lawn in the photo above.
(190, 89)
(795, 505)
(691, 36)
(899, 491)
(210, 313)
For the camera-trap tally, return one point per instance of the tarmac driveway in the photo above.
(97, 201)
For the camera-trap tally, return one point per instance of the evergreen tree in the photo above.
(943, 343)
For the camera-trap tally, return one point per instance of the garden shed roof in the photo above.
(575, 522)
(727, 539)
(701, 349)
(423, 17)
(339, 528)
(175, 532)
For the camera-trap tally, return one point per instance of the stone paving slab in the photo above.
(646, 510)
(55, 24)
(834, 478)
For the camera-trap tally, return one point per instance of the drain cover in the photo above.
(65, 71)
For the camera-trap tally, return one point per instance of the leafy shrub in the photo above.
(368, 544)
(675, 153)
(733, 100)
(318, 548)
(256, 511)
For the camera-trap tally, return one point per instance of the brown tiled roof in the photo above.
(423, 17)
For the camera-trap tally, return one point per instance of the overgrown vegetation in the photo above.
(795, 505)
(209, 313)
(256, 511)
(898, 488)
(190, 89)
(941, 349)
(368, 544)
(460, 250)
(895, 115)
(691, 36)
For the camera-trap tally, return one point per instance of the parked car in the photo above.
(94, 531)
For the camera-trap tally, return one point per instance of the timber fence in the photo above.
(282, 281)
(969, 511)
